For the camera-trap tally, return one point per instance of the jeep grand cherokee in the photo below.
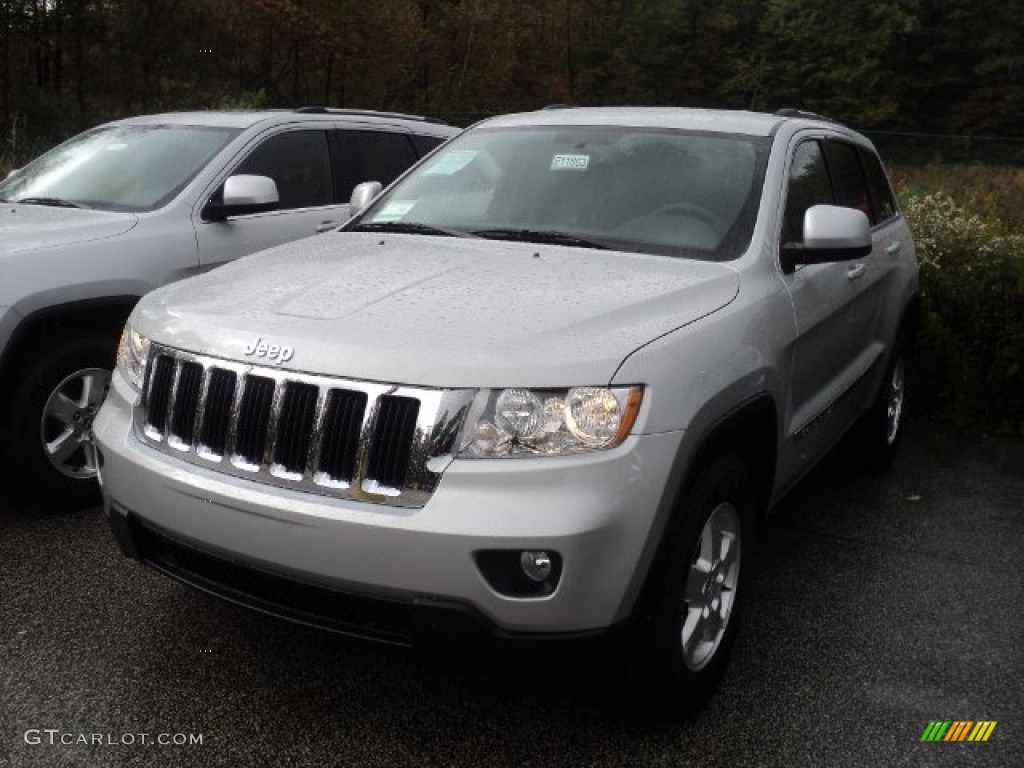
(543, 389)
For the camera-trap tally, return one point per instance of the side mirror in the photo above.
(244, 194)
(362, 196)
(831, 233)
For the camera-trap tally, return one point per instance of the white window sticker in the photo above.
(394, 211)
(570, 162)
(451, 162)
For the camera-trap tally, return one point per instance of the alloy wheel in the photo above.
(66, 423)
(710, 591)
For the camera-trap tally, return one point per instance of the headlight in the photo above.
(132, 356)
(535, 422)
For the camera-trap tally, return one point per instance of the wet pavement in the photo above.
(882, 603)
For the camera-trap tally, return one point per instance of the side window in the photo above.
(369, 156)
(300, 165)
(425, 144)
(851, 183)
(878, 184)
(808, 185)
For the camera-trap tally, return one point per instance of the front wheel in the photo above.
(699, 587)
(46, 454)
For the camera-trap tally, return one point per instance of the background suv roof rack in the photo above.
(791, 112)
(365, 113)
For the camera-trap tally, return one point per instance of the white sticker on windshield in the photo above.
(394, 211)
(570, 162)
(451, 162)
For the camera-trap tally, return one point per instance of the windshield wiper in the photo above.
(539, 236)
(408, 227)
(56, 202)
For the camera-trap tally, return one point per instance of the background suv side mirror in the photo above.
(243, 194)
(831, 233)
(362, 196)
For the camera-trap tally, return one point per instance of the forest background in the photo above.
(937, 84)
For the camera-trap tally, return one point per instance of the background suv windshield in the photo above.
(655, 191)
(124, 168)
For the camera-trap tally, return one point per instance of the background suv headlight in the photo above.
(548, 422)
(132, 356)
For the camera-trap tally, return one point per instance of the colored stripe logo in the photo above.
(958, 730)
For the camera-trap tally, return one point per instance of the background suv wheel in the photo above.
(45, 456)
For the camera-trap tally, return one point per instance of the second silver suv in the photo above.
(121, 209)
(542, 392)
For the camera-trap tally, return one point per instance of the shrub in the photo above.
(996, 193)
(970, 354)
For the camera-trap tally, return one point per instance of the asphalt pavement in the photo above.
(882, 603)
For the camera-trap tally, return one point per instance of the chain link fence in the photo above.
(938, 149)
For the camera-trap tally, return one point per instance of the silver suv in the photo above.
(121, 209)
(542, 391)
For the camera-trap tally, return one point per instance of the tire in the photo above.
(873, 442)
(45, 454)
(698, 591)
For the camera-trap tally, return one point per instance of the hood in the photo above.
(436, 311)
(32, 227)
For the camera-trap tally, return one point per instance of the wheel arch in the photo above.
(749, 431)
(105, 315)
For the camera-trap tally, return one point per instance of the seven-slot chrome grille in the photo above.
(352, 439)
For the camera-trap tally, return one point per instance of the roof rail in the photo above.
(366, 113)
(791, 112)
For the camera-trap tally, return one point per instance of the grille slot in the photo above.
(361, 440)
(186, 401)
(253, 418)
(162, 378)
(342, 425)
(295, 426)
(219, 397)
(392, 440)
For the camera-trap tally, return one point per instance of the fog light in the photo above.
(536, 565)
(520, 573)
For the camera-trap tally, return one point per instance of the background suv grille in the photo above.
(362, 440)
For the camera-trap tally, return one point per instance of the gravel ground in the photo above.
(882, 603)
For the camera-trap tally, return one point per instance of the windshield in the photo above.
(661, 191)
(118, 168)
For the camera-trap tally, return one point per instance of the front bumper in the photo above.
(595, 511)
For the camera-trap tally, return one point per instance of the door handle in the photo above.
(893, 248)
(325, 226)
(856, 271)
